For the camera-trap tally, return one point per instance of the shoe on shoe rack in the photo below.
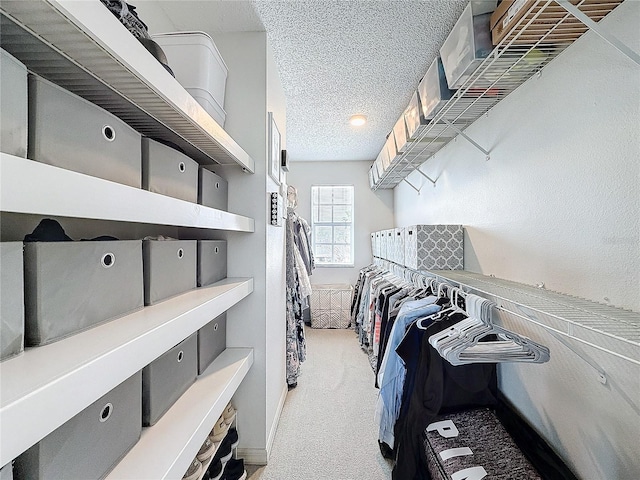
(227, 445)
(234, 470)
(215, 470)
(219, 430)
(223, 454)
(194, 470)
(206, 450)
(232, 437)
(228, 413)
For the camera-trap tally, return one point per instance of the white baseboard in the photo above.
(276, 420)
(253, 456)
(258, 456)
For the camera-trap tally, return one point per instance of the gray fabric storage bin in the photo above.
(476, 442)
(90, 444)
(166, 378)
(73, 286)
(168, 171)
(70, 132)
(212, 341)
(6, 472)
(11, 299)
(169, 268)
(434, 247)
(212, 261)
(13, 98)
(212, 190)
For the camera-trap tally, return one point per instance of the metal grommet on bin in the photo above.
(182, 167)
(107, 260)
(106, 412)
(180, 253)
(109, 133)
(180, 355)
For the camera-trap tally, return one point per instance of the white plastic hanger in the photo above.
(460, 344)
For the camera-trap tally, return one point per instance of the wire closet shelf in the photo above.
(543, 32)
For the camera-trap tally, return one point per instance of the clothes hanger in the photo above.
(461, 343)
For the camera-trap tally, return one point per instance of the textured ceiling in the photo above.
(336, 59)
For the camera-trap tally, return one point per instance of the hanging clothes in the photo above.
(299, 265)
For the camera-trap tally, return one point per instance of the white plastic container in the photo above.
(433, 90)
(199, 67)
(468, 43)
(400, 134)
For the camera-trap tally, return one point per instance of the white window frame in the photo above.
(315, 223)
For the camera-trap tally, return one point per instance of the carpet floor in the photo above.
(327, 429)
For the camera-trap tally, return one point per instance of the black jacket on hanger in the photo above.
(439, 387)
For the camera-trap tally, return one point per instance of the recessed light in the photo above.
(358, 120)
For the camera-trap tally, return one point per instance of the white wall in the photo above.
(373, 210)
(259, 320)
(559, 203)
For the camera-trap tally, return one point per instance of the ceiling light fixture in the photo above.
(358, 120)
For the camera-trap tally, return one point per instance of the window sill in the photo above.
(335, 265)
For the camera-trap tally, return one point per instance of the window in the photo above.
(332, 224)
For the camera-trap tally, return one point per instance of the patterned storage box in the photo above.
(378, 244)
(474, 444)
(398, 246)
(434, 247)
(331, 306)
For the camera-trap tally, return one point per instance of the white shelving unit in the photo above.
(81, 46)
(45, 386)
(543, 32)
(70, 194)
(207, 463)
(187, 423)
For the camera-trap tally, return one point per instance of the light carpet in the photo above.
(327, 429)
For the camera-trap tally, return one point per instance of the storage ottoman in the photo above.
(168, 171)
(90, 444)
(70, 132)
(169, 268)
(11, 299)
(166, 378)
(474, 444)
(73, 286)
(331, 306)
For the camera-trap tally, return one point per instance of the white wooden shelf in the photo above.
(166, 450)
(82, 46)
(45, 386)
(66, 193)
